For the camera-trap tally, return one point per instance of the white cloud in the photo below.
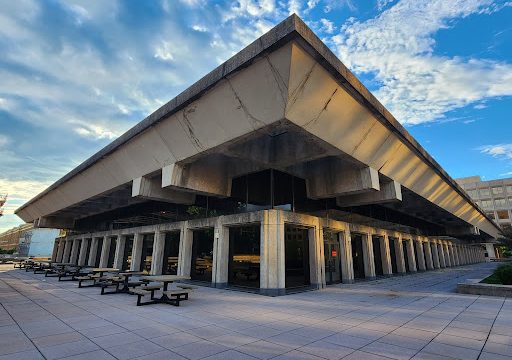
(163, 51)
(503, 151)
(416, 85)
(294, 7)
(4, 140)
(382, 4)
(327, 26)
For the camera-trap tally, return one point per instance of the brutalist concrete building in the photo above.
(275, 172)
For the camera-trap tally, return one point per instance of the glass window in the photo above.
(202, 255)
(487, 204)
(171, 253)
(244, 256)
(296, 248)
(509, 189)
(485, 192)
(147, 252)
(497, 190)
(473, 193)
(490, 214)
(503, 214)
(500, 203)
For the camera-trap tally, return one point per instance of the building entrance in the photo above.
(357, 256)
(244, 256)
(332, 258)
(202, 255)
(406, 256)
(377, 255)
(87, 250)
(111, 253)
(98, 252)
(392, 254)
(127, 256)
(171, 253)
(147, 252)
(296, 247)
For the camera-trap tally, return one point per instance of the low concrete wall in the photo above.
(484, 289)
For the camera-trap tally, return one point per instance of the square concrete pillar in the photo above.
(455, 255)
(368, 258)
(429, 261)
(421, 256)
(448, 259)
(400, 256)
(55, 250)
(67, 251)
(136, 251)
(185, 252)
(60, 250)
(347, 262)
(105, 251)
(435, 254)
(442, 257)
(316, 256)
(452, 255)
(118, 258)
(220, 267)
(157, 256)
(272, 254)
(82, 254)
(93, 251)
(385, 254)
(410, 255)
(73, 257)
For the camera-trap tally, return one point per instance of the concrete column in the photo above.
(157, 257)
(136, 252)
(385, 254)
(455, 254)
(93, 251)
(452, 255)
(435, 254)
(60, 250)
(410, 255)
(105, 251)
(347, 265)
(448, 259)
(368, 258)
(185, 252)
(55, 250)
(428, 255)
(67, 250)
(421, 256)
(316, 256)
(82, 254)
(442, 257)
(272, 258)
(400, 256)
(73, 257)
(118, 258)
(220, 254)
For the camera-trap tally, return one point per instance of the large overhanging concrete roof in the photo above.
(287, 81)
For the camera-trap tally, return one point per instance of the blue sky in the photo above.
(74, 75)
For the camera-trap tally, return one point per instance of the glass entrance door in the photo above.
(296, 248)
(147, 252)
(171, 253)
(244, 256)
(332, 258)
(127, 256)
(202, 255)
(357, 256)
(377, 256)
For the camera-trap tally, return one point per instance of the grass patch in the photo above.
(502, 276)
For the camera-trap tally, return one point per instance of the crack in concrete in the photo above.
(296, 93)
(364, 137)
(324, 108)
(189, 129)
(281, 84)
(255, 122)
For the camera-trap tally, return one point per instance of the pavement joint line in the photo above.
(489, 333)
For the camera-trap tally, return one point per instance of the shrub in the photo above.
(504, 274)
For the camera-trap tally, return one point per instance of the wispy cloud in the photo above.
(397, 48)
(503, 151)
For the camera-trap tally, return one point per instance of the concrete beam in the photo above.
(389, 192)
(54, 222)
(151, 189)
(332, 178)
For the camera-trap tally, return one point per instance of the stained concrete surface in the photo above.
(416, 316)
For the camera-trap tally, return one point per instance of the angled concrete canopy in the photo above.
(285, 102)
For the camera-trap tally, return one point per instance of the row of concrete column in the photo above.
(94, 249)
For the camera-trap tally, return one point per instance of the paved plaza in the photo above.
(417, 316)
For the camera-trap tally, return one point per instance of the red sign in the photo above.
(334, 253)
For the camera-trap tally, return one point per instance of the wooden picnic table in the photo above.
(126, 275)
(165, 280)
(101, 271)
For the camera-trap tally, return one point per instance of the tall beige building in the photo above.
(493, 196)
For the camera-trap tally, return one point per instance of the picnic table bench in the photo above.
(169, 296)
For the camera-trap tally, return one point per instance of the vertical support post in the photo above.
(220, 254)
(55, 250)
(118, 258)
(73, 258)
(385, 255)
(399, 251)
(347, 263)
(442, 257)
(421, 256)
(82, 254)
(435, 254)
(93, 251)
(316, 256)
(157, 257)
(137, 251)
(60, 250)
(428, 255)
(105, 251)
(67, 251)
(272, 254)
(369, 260)
(185, 252)
(410, 255)
(448, 258)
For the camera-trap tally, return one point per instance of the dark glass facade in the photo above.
(357, 256)
(332, 258)
(171, 252)
(147, 251)
(244, 256)
(202, 255)
(296, 245)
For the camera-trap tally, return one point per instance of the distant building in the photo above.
(494, 196)
(37, 242)
(10, 239)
